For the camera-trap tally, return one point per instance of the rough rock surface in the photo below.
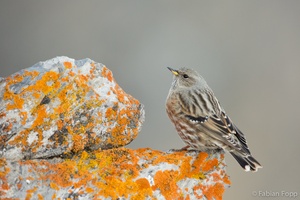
(62, 127)
(118, 173)
(63, 106)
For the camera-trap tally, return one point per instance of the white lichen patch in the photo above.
(32, 137)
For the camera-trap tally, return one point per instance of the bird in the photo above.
(200, 120)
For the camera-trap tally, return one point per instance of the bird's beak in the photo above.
(175, 72)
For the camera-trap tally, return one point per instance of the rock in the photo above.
(63, 125)
(117, 174)
(63, 106)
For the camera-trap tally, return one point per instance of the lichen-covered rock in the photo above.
(63, 106)
(59, 122)
(117, 174)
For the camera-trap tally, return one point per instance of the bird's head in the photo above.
(187, 78)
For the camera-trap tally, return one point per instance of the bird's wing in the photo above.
(222, 129)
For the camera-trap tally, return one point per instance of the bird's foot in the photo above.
(186, 148)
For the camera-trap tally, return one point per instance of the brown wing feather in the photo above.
(222, 129)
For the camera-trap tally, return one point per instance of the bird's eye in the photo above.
(185, 76)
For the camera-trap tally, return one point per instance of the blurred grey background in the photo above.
(248, 51)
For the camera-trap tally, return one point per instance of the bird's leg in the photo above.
(178, 150)
(185, 148)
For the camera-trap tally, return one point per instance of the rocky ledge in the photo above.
(63, 127)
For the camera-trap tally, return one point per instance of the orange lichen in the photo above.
(92, 70)
(210, 164)
(120, 93)
(19, 186)
(202, 156)
(78, 142)
(115, 187)
(54, 186)
(17, 103)
(107, 73)
(164, 181)
(82, 80)
(33, 74)
(214, 192)
(143, 184)
(195, 189)
(3, 173)
(41, 114)
(63, 173)
(199, 166)
(47, 82)
(40, 197)
(68, 65)
(226, 180)
(5, 186)
(89, 190)
(36, 95)
(110, 113)
(71, 73)
(211, 192)
(30, 193)
(216, 176)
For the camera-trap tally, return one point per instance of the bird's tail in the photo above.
(247, 162)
